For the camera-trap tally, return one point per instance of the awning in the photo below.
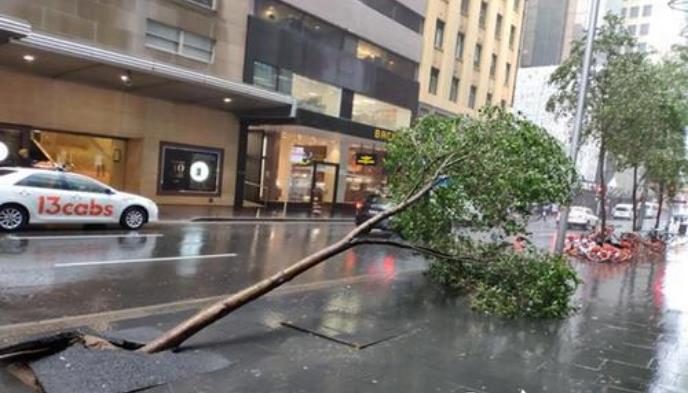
(59, 58)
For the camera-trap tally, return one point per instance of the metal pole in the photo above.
(580, 114)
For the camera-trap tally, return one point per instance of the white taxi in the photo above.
(42, 196)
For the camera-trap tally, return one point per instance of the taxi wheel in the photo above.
(134, 217)
(13, 218)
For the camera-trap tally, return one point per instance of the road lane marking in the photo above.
(100, 321)
(144, 260)
(67, 237)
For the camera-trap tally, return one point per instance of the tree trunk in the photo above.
(660, 202)
(634, 198)
(183, 331)
(602, 185)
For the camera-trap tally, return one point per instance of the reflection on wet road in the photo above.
(48, 274)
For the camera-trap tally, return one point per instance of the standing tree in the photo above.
(635, 114)
(612, 53)
(449, 175)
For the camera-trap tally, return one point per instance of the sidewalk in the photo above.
(628, 336)
(247, 214)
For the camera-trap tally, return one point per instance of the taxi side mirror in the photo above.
(109, 191)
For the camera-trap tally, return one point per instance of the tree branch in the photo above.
(413, 247)
(187, 328)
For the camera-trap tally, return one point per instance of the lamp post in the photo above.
(580, 113)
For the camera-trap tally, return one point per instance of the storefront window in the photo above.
(365, 174)
(290, 167)
(380, 114)
(96, 157)
(316, 96)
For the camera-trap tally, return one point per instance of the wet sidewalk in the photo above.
(630, 335)
(171, 213)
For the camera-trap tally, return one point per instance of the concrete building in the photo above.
(278, 100)
(470, 54)
(656, 25)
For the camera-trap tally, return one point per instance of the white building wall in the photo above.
(530, 99)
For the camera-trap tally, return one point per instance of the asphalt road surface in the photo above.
(50, 274)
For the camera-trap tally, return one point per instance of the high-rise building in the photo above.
(656, 25)
(280, 99)
(470, 54)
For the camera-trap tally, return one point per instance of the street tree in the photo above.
(612, 53)
(448, 175)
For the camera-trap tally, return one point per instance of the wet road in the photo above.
(51, 274)
(48, 274)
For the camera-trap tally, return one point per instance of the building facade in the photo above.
(351, 65)
(283, 101)
(656, 25)
(470, 54)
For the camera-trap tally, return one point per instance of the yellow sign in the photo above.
(382, 135)
(366, 159)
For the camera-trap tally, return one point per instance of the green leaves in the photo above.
(505, 165)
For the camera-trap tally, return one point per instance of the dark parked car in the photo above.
(371, 206)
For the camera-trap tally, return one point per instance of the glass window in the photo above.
(454, 91)
(465, 5)
(380, 114)
(197, 46)
(460, 41)
(4, 172)
(632, 29)
(161, 36)
(439, 34)
(284, 81)
(482, 19)
(634, 12)
(647, 10)
(43, 180)
(82, 184)
(498, 27)
(323, 32)
(644, 29)
(434, 80)
(472, 96)
(488, 99)
(512, 36)
(173, 39)
(477, 56)
(623, 12)
(507, 74)
(265, 75)
(493, 66)
(204, 3)
(642, 47)
(374, 54)
(316, 96)
(502, 103)
(516, 4)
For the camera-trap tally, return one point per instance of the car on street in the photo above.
(372, 205)
(623, 211)
(582, 216)
(43, 196)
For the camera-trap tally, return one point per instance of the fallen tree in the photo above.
(446, 175)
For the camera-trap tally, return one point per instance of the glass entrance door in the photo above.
(324, 188)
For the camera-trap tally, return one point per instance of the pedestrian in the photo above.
(545, 212)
